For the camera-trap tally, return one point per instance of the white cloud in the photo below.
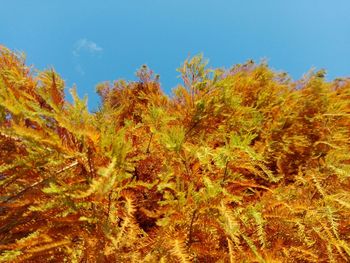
(85, 45)
(80, 69)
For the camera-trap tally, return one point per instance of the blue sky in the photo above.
(88, 41)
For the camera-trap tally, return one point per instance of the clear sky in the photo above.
(89, 41)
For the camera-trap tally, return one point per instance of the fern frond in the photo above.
(231, 250)
(260, 223)
(9, 255)
(230, 225)
(304, 254)
(180, 252)
(253, 248)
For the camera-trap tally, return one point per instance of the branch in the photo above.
(67, 167)
(33, 185)
(149, 143)
(190, 240)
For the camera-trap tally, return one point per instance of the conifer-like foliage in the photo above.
(239, 165)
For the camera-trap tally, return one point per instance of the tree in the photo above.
(240, 165)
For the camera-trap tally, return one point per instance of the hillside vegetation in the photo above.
(238, 165)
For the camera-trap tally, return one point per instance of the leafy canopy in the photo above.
(239, 165)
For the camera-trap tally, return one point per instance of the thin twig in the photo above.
(191, 227)
(225, 172)
(109, 205)
(149, 143)
(67, 167)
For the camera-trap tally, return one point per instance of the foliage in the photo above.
(239, 165)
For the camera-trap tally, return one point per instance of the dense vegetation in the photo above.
(239, 165)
